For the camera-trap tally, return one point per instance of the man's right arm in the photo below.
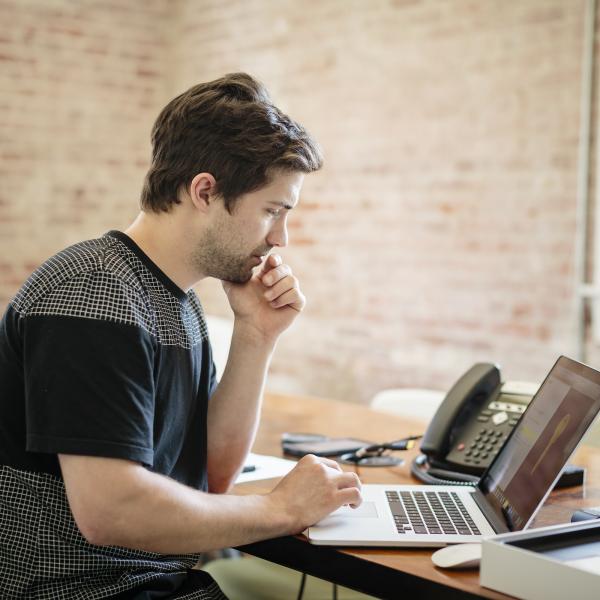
(118, 502)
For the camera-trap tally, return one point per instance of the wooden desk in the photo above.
(385, 573)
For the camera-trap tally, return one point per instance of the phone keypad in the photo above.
(486, 442)
(476, 445)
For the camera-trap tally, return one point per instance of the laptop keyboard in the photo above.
(430, 513)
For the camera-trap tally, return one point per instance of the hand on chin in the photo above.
(269, 301)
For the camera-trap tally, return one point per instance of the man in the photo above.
(117, 444)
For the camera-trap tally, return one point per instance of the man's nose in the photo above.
(278, 236)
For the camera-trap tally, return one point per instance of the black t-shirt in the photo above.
(101, 354)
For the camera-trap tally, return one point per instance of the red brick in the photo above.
(441, 230)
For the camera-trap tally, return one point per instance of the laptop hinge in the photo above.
(498, 524)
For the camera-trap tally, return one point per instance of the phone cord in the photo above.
(417, 468)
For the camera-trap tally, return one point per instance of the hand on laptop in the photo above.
(313, 489)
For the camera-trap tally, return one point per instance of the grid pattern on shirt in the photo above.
(103, 279)
(44, 556)
(42, 553)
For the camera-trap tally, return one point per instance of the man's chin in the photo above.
(238, 277)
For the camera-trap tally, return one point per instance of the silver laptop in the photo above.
(509, 493)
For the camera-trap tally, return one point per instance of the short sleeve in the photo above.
(213, 381)
(89, 387)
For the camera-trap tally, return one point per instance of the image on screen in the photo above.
(542, 442)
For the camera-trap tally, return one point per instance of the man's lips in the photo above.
(262, 256)
(259, 258)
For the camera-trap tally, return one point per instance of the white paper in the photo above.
(266, 467)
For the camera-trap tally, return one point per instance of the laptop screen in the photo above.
(541, 443)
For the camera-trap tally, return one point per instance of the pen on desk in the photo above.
(248, 468)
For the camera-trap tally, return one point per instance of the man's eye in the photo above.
(274, 212)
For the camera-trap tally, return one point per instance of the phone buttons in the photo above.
(483, 419)
(500, 418)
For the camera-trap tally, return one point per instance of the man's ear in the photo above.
(202, 190)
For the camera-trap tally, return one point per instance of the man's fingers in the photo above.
(349, 486)
(314, 459)
(351, 496)
(293, 298)
(281, 287)
(349, 479)
(272, 261)
(271, 276)
(330, 463)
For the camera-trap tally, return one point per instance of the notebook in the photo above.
(509, 493)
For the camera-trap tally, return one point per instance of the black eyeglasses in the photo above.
(378, 455)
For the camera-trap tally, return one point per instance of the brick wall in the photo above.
(441, 230)
(439, 233)
(80, 84)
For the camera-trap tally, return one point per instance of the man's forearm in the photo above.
(234, 408)
(118, 502)
(152, 512)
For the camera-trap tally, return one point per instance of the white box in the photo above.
(549, 563)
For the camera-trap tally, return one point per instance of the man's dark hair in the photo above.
(229, 128)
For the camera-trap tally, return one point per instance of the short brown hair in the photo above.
(227, 127)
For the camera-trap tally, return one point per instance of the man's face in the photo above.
(236, 243)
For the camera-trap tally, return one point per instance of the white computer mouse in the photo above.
(458, 556)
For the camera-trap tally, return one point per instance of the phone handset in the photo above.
(468, 396)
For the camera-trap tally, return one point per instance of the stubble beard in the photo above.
(213, 258)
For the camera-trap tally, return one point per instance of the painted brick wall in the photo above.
(80, 84)
(440, 231)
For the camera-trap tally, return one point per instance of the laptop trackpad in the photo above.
(364, 511)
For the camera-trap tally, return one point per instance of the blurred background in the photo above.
(453, 221)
